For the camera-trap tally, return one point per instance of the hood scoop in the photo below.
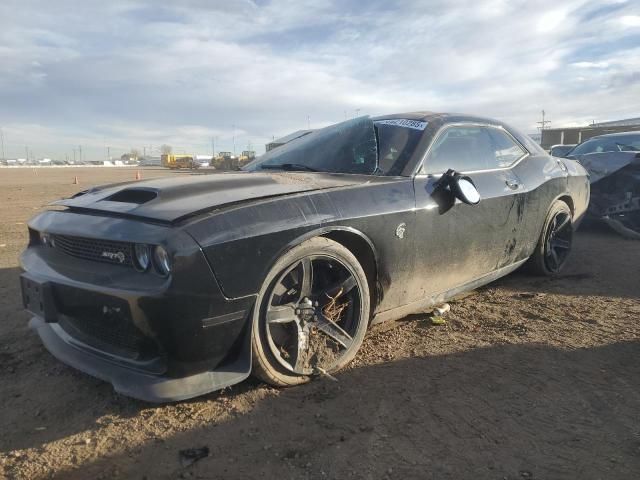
(133, 195)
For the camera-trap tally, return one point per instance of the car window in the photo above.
(507, 151)
(397, 143)
(472, 148)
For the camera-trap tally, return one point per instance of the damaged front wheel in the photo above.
(311, 314)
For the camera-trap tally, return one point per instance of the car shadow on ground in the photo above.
(508, 411)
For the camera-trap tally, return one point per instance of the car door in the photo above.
(457, 243)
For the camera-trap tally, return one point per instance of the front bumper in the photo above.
(156, 339)
(135, 383)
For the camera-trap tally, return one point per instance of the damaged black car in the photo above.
(613, 163)
(174, 287)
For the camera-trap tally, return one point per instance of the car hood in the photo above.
(171, 199)
(601, 165)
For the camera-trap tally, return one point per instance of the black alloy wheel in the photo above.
(313, 314)
(558, 241)
(555, 241)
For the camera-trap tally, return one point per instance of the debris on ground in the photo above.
(189, 456)
(437, 316)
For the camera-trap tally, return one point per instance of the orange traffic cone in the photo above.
(138, 176)
(75, 180)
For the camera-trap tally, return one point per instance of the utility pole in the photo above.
(308, 122)
(74, 155)
(543, 124)
(213, 146)
(2, 140)
(108, 153)
(80, 152)
(234, 139)
(26, 152)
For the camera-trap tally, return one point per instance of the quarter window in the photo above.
(472, 148)
(507, 151)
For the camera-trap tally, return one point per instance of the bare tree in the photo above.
(166, 149)
(135, 153)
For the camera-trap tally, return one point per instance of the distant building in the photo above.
(150, 161)
(571, 135)
(286, 139)
(629, 122)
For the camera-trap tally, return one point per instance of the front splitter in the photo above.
(135, 383)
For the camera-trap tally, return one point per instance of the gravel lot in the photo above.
(529, 378)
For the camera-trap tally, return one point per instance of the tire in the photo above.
(274, 334)
(544, 261)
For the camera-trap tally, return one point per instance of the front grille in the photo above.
(103, 322)
(107, 251)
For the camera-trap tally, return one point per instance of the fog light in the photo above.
(161, 260)
(142, 256)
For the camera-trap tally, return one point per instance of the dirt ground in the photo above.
(530, 378)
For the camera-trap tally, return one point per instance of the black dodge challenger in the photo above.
(176, 287)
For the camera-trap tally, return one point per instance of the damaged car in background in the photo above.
(613, 163)
(174, 287)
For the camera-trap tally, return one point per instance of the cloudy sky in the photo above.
(133, 73)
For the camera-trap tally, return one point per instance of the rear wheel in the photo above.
(311, 315)
(556, 240)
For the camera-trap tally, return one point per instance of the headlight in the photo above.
(161, 260)
(46, 240)
(142, 256)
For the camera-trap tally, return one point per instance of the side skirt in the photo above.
(426, 303)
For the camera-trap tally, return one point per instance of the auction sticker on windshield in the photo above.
(404, 122)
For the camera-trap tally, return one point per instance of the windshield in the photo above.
(560, 150)
(357, 146)
(614, 143)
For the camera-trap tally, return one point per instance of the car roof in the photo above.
(445, 117)
(617, 134)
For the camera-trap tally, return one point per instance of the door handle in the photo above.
(512, 184)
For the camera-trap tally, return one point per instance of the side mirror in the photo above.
(464, 188)
(460, 186)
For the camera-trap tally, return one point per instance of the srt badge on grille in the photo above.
(119, 256)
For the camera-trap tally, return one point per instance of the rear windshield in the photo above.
(357, 146)
(614, 143)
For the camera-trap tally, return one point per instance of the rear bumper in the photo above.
(135, 383)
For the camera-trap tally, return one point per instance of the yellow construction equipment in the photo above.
(178, 161)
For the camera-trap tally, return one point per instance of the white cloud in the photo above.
(131, 73)
(590, 64)
(630, 21)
